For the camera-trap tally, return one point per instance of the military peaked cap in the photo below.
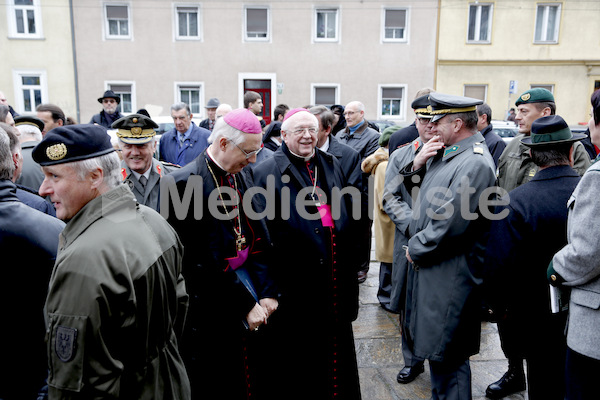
(135, 129)
(443, 104)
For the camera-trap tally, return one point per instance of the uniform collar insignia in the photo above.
(451, 150)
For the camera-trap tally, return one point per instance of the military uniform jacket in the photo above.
(397, 204)
(442, 310)
(116, 304)
(577, 263)
(515, 166)
(148, 195)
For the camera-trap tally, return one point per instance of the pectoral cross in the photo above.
(240, 241)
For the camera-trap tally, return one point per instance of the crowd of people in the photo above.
(224, 260)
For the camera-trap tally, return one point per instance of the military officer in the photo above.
(446, 236)
(397, 204)
(139, 169)
(116, 300)
(516, 167)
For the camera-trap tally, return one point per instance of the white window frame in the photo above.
(316, 11)
(406, 25)
(478, 22)
(245, 36)
(107, 35)
(18, 88)
(198, 7)
(200, 85)
(544, 39)
(315, 86)
(403, 104)
(107, 86)
(11, 10)
(484, 85)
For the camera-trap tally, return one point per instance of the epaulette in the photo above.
(478, 148)
(403, 145)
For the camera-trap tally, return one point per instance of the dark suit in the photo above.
(403, 136)
(311, 333)
(494, 143)
(519, 249)
(349, 160)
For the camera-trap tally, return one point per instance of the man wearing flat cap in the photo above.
(516, 167)
(226, 260)
(110, 113)
(520, 247)
(312, 230)
(139, 169)
(117, 260)
(211, 111)
(453, 169)
(398, 203)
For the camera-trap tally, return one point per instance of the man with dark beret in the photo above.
(522, 243)
(110, 113)
(117, 260)
(139, 169)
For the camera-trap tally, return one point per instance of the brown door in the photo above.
(262, 87)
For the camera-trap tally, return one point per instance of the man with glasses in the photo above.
(315, 264)
(409, 133)
(447, 234)
(225, 260)
(109, 114)
(365, 140)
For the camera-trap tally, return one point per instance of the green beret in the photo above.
(385, 135)
(536, 95)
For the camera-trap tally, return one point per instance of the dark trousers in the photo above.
(450, 381)
(364, 243)
(385, 284)
(582, 374)
(510, 340)
(410, 360)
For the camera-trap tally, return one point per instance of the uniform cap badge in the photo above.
(526, 97)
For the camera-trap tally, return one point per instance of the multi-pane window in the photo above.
(117, 21)
(325, 95)
(30, 90)
(257, 23)
(547, 22)
(190, 95)
(24, 19)
(125, 92)
(326, 24)
(392, 101)
(480, 23)
(188, 22)
(394, 26)
(476, 91)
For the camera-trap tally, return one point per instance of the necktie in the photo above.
(143, 180)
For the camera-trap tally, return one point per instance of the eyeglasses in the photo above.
(109, 101)
(350, 112)
(424, 121)
(250, 154)
(300, 131)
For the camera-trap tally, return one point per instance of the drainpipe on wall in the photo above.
(74, 60)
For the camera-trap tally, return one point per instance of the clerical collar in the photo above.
(301, 157)
(325, 146)
(212, 158)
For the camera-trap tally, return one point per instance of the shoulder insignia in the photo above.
(65, 344)
(532, 172)
(124, 173)
(159, 169)
(402, 145)
(451, 150)
(477, 148)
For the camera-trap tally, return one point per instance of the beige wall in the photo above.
(571, 66)
(359, 62)
(52, 53)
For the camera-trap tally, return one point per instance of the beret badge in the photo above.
(56, 151)
(526, 97)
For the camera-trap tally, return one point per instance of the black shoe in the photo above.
(511, 382)
(408, 374)
(362, 276)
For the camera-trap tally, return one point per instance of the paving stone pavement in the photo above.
(377, 339)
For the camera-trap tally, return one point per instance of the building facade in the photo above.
(497, 50)
(37, 55)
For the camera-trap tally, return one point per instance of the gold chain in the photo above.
(240, 240)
